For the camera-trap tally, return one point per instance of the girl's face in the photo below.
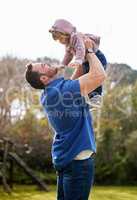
(62, 38)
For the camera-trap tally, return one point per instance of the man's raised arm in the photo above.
(95, 76)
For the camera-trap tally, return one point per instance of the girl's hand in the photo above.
(89, 44)
(75, 65)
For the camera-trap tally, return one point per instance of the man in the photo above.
(74, 143)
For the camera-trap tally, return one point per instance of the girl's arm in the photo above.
(79, 68)
(77, 73)
(79, 47)
(67, 58)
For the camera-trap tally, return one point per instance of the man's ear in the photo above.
(44, 79)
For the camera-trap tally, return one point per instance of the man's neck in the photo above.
(59, 74)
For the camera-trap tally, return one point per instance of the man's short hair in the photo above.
(33, 78)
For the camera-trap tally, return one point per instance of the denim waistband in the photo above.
(60, 169)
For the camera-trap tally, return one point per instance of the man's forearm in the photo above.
(95, 66)
(95, 76)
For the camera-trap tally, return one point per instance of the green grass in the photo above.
(98, 193)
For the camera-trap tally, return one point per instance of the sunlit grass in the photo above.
(98, 192)
(114, 193)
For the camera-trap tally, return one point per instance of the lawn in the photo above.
(98, 193)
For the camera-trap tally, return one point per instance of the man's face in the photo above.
(44, 69)
(40, 67)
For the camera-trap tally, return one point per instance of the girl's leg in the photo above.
(102, 58)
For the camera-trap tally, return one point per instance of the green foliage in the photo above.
(116, 156)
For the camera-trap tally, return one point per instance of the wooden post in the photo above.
(11, 168)
(11, 173)
(4, 167)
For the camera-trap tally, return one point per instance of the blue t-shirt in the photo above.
(69, 116)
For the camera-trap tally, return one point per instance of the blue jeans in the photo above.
(75, 180)
(102, 58)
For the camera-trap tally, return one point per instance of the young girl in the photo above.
(66, 34)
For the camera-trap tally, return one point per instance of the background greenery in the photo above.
(23, 121)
